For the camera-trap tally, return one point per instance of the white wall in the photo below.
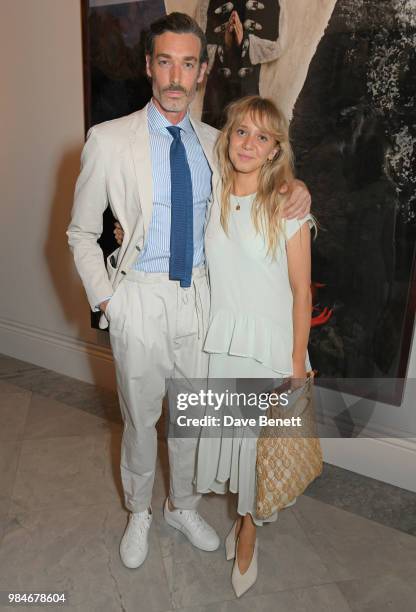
(44, 317)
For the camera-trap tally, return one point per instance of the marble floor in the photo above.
(347, 545)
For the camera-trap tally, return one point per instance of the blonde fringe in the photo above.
(267, 208)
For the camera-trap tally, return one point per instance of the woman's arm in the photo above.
(298, 249)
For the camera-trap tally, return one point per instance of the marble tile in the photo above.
(13, 412)
(387, 593)
(77, 550)
(70, 391)
(11, 367)
(7, 387)
(67, 472)
(62, 519)
(366, 497)
(194, 576)
(321, 598)
(22, 373)
(93, 400)
(203, 578)
(353, 547)
(286, 559)
(48, 418)
(9, 457)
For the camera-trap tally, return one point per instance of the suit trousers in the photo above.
(157, 331)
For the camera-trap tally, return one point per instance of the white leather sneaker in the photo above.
(193, 526)
(134, 544)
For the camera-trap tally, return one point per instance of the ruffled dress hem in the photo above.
(249, 335)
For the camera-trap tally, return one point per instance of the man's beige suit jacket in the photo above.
(116, 170)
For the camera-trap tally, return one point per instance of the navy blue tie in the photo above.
(182, 221)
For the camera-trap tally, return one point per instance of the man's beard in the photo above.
(175, 105)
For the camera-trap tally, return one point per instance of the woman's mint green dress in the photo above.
(250, 335)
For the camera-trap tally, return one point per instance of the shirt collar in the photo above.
(159, 123)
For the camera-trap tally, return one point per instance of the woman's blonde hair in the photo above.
(268, 204)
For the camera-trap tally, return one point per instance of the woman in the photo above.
(259, 267)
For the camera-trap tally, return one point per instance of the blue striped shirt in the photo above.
(156, 251)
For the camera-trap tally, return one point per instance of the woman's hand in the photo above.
(299, 200)
(118, 233)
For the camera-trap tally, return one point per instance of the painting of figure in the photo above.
(257, 47)
(238, 33)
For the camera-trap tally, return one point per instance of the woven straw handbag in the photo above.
(288, 458)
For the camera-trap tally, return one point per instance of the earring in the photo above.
(275, 156)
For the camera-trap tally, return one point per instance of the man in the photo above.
(155, 168)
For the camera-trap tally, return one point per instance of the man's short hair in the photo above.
(178, 23)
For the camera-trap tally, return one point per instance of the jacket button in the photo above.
(123, 272)
(137, 247)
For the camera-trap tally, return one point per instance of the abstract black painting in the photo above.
(114, 65)
(354, 131)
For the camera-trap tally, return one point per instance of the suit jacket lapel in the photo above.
(206, 146)
(140, 150)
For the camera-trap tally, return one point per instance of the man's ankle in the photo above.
(149, 509)
(170, 505)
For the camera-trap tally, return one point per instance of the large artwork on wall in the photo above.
(354, 134)
(344, 73)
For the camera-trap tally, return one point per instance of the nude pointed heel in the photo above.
(230, 543)
(243, 582)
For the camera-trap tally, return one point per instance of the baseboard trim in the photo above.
(85, 361)
(390, 460)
